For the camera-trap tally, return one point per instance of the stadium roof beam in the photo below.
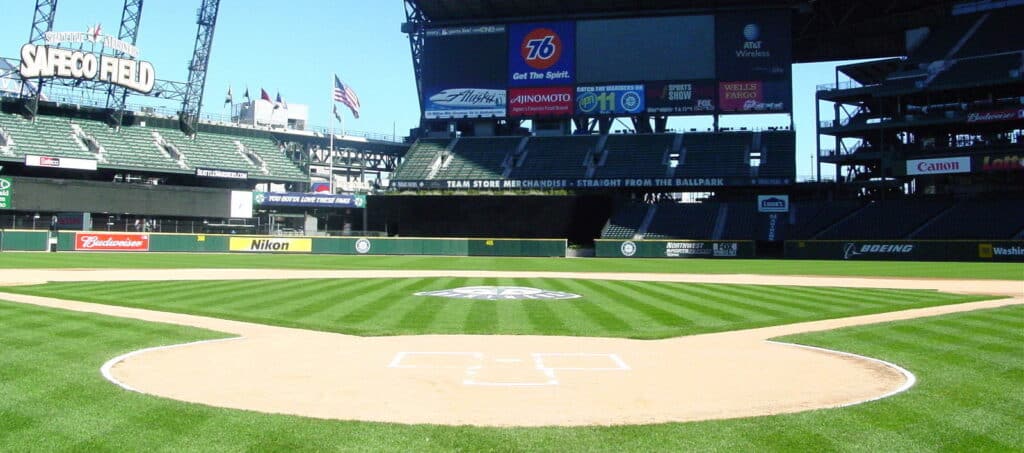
(42, 22)
(131, 15)
(193, 103)
(414, 26)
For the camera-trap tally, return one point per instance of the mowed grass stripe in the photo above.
(389, 306)
(67, 404)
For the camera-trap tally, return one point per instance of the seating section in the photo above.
(555, 157)
(416, 165)
(812, 217)
(639, 156)
(979, 70)
(47, 136)
(128, 148)
(478, 158)
(625, 221)
(137, 148)
(740, 221)
(714, 155)
(778, 155)
(683, 221)
(277, 162)
(977, 219)
(890, 219)
(992, 36)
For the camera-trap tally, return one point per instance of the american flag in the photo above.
(346, 95)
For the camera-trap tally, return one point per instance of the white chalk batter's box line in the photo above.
(549, 372)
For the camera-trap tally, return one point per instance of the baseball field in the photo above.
(329, 353)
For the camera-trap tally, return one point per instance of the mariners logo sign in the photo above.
(499, 293)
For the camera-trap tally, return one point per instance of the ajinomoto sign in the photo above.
(111, 242)
(270, 245)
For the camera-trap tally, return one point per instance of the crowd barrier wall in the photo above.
(198, 243)
(23, 240)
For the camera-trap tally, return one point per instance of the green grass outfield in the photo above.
(1003, 271)
(52, 398)
(390, 307)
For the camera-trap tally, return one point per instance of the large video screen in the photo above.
(465, 72)
(728, 63)
(633, 50)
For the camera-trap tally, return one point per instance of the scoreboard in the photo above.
(736, 62)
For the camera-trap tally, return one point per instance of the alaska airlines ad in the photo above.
(465, 72)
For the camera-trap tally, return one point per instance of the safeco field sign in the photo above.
(5, 193)
(270, 245)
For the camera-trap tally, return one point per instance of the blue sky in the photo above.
(295, 47)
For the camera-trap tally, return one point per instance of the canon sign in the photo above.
(945, 165)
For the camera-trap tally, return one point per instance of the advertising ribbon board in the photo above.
(556, 101)
(6, 189)
(309, 200)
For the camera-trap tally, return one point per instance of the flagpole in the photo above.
(330, 156)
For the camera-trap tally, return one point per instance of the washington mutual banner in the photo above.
(308, 200)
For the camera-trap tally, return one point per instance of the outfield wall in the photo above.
(23, 240)
(908, 250)
(607, 248)
(198, 243)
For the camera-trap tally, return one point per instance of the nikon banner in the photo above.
(976, 250)
(6, 190)
(674, 249)
(270, 245)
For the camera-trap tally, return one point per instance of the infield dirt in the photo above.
(506, 380)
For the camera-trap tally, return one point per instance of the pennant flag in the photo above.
(264, 95)
(229, 99)
(279, 103)
(346, 95)
(337, 115)
(246, 95)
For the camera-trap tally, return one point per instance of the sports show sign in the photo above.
(47, 60)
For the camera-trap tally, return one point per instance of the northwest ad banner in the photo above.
(540, 102)
(610, 100)
(542, 54)
(681, 98)
(111, 242)
(270, 245)
(754, 45)
(6, 189)
(754, 96)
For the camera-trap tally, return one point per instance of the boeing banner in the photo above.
(542, 54)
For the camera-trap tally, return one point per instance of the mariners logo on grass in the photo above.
(362, 246)
(499, 293)
(628, 248)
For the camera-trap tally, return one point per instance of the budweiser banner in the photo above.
(995, 116)
(111, 242)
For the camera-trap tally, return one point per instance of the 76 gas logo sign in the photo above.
(541, 48)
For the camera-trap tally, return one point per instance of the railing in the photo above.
(846, 85)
